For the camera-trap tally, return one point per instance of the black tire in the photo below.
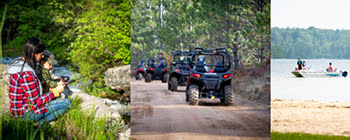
(148, 78)
(140, 76)
(165, 78)
(169, 85)
(194, 94)
(228, 95)
(187, 96)
(173, 84)
(136, 77)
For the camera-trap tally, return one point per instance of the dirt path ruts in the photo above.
(158, 113)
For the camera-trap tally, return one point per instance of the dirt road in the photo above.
(158, 113)
(307, 116)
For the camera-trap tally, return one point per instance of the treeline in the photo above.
(242, 26)
(91, 35)
(310, 43)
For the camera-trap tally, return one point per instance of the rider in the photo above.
(330, 68)
(202, 59)
(299, 63)
(152, 63)
(161, 64)
(304, 65)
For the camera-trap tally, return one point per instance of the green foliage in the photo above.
(298, 136)
(310, 43)
(102, 39)
(243, 26)
(26, 19)
(91, 35)
(75, 124)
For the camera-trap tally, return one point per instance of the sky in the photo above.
(323, 14)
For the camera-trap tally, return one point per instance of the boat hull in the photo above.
(316, 74)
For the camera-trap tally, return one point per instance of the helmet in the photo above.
(49, 57)
(201, 58)
(181, 58)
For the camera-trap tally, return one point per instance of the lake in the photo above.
(284, 85)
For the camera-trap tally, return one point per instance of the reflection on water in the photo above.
(284, 85)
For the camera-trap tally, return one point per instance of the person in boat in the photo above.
(300, 64)
(330, 68)
(304, 65)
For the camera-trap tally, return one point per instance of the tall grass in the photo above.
(75, 124)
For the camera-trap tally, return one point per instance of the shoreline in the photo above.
(310, 117)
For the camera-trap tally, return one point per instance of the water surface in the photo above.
(284, 85)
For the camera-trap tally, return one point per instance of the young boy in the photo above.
(44, 72)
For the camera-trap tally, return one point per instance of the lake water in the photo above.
(284, 85)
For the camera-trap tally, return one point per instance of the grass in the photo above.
(299, 136)
(75, 124)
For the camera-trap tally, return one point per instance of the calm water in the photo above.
(284, 85)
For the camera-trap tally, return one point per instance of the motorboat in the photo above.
(309, 73)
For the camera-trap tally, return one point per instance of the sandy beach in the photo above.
(309, 116)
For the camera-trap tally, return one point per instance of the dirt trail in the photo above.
(308, 116)
(158, 113)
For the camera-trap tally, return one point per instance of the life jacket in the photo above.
(331, 68)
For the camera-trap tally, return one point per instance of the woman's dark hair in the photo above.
(31, 47)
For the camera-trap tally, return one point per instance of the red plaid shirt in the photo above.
(24, 94)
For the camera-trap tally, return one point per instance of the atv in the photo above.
(140, 70)
(179, 69)
(156, 70)
(210, 77)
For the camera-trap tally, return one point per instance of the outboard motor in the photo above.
(345, 73)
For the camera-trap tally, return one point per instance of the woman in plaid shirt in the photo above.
(26, 98)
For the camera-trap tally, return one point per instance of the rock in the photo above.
(118, 78)
(4, 82)
(125, 135)
(100, 108)
(4, 75)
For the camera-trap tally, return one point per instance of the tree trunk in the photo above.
(262, 52)
(234, 46)
(235, 56)
(160, 21)
(261, 6)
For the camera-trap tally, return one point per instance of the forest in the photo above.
(310, 43)
(89, 35)
(162, 26)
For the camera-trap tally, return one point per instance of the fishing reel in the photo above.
(65, 79)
